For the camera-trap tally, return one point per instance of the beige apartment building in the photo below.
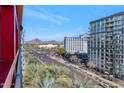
(106, 46)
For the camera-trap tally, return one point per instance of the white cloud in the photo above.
(62, 18)
(42, 14)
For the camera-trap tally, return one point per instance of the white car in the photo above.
(104, 85)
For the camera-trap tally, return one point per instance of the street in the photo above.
(73, 72)
(97, 80)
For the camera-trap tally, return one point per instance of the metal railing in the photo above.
(16, 68)
(18, 82)
(8, 81)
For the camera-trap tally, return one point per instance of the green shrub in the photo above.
(61, 51)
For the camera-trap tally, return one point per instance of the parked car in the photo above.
(104, 85)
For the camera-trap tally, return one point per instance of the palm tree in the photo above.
(78, 83)
(30, 75)
(49, 76)
(57, 75)
(37, 75)
(57, 71)
(47, 82)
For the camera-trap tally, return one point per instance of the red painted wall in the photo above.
(9, 35)
(0, 32)
(7, 41)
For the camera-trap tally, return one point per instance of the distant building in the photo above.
(48, 46)
(76, 44)
(61, 45)
(106, 45)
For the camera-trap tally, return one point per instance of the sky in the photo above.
(54, 22)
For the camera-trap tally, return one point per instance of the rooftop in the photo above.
(116, 14)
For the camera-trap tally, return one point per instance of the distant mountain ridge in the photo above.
(40, 42)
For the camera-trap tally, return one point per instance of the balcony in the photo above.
(10, 22)
(110, 21)
(14, 72)
(108, 63)
(109, 26)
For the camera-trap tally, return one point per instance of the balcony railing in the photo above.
(15, 72)
(18, 82)
(10, 76)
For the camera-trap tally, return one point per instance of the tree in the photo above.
(38, 75)
(29, 58)
(50, 75)
(61, 51)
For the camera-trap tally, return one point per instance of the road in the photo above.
(44, 58)
(73, 68)
(94, 76)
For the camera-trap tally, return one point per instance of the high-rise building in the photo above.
(76, 44)
(106, 46)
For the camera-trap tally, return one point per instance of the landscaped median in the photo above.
(38, 75)
(88, 73)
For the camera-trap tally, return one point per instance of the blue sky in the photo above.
(55, 22)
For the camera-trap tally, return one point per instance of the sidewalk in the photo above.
(89, 73)
(58, 59)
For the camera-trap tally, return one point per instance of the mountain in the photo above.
(54, 42)
(39, 42)
(34, 41)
